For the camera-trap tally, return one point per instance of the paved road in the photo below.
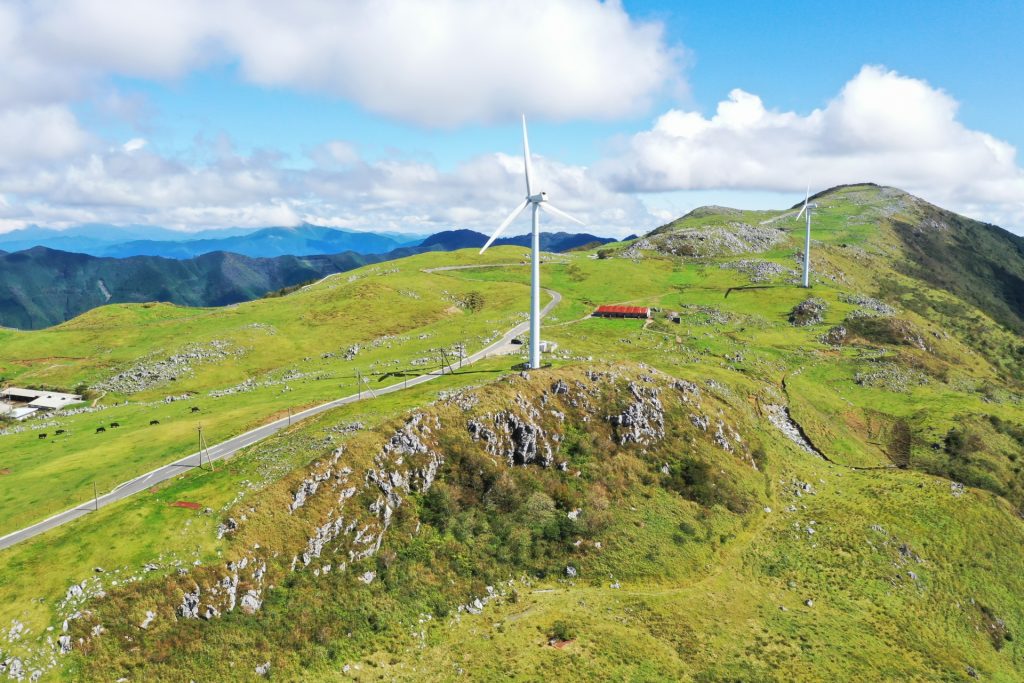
(228, 448)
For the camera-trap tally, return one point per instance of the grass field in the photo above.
(397, 317)
(902, 576)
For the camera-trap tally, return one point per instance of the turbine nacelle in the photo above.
(537, 198)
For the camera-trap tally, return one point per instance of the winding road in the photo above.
(226, 449)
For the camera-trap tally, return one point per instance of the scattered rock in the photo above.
(868, 307)
(643, 420)
(892, 377)
(809, 312)
(189, 608)
(779, 417)
(835, 336)
(758, 271)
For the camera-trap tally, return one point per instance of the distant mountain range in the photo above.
(450, 240)
(43, 286)
(304, 240)
(118, 242)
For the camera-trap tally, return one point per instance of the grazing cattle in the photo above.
(100, 429)
(59, 432)
(115, 425)
(195, 409)
(154, 422)
(42, 436)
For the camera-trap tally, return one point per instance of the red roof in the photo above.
(624, 310)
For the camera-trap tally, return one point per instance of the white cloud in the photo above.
(882, 127)
(439, 63)
(130, 184)
(39, 134)
(134, 144)
(334, 154)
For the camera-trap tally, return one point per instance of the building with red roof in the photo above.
(642, 312)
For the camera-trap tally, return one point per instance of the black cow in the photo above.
(154, 422)
(59, 432)
(115, 425)
(195, 409)
(100, 429)
(42, 436)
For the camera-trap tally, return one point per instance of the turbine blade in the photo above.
(558, 212)
(807, 198)
(526, 156)
(501, 228)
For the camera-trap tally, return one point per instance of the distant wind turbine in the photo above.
(537, 202)
(806, 210)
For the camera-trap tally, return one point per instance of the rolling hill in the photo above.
(769, 484)
(40, 287)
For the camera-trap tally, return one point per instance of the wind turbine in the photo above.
(537, 202)
(806, 210)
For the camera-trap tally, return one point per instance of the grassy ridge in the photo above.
(909, 576)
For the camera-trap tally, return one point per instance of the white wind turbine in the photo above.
(806, 210)
(537, 202)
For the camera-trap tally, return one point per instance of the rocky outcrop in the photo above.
(835, 336)
(868, 307)
(758, 271)
(525, 441)
(778, 416)
(708, 241)
(345, 509)
(643, 419)
(809, 312)
(152, 373)
(189, 607)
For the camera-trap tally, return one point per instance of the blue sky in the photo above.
(227, 116)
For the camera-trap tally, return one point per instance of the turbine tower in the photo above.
(537, 202)
(806, 211)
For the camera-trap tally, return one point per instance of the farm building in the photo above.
(19, 403)
(623, 312)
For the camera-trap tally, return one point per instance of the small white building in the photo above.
(19, 403)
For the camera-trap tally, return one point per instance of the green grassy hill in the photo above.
(784, 485)
(41, 287)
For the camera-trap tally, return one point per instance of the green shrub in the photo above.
(563, 630)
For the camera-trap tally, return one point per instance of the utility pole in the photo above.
(359, 383)
(289, 416)
(444, 358)
(95, 497)
(204, 447)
